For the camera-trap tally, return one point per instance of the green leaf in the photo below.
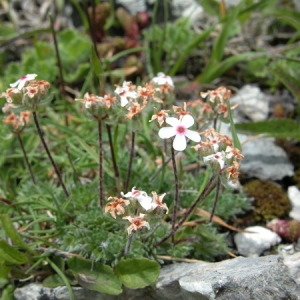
(191, 46)
(11, 255)
(290, 82)
(8, 293)
(53, 281)
(278, 128)
(12, 232)
(96, 63)
(215, 69)
(95, 276)
(137, 273)
(75, 47)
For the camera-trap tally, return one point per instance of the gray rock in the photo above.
(133, 6)
(262, 158)
(255, 278)
(293, 263)
(255, 241)
(240, 278)
(265, 160)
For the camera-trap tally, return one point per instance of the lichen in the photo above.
(270, 201)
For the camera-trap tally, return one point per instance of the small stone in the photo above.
(253, 104)
(255, 243)
(294, 196)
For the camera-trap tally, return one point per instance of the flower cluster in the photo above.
(216, 103)
(218, 151)
(136, 98)
(17, 122)
(96, 105)
(26, 91)
(140, 203)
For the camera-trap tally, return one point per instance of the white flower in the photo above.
(180, 130)
(162, 79)
(22, 81)
(125, 92)
(218, 157)
(142, 197)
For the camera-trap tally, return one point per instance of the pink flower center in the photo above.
(180, 129)
(23, 78)
(135, 192)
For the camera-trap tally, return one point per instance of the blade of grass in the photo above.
(189, 48)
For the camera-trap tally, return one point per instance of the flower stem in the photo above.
(25, 157)
(113, 157)
(100, 144)
(218, 186)
(128, 245)
(207, 190)
(176, 194)
(130, 160)
(41, 135)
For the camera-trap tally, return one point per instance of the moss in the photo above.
(270, 201)
(296, 178)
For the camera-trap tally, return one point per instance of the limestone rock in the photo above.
(256, 278)
(256, 241)
(294, 196)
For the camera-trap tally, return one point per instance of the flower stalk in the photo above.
(26, 157)
(207, 190)
(100, 178)
(176, 193)
(130, 160)
(113, 157)
(41, 135)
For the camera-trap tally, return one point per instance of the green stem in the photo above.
(26, 157)
(41, 135)
(176, 194)
(128, 245)
(130, 160)
(113, 156)
(218, 186)
(100, 144)
(207, 190)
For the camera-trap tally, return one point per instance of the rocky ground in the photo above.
(276, 162)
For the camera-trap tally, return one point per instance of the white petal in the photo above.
(193, 135)
(123, 100)
(172, 121)
(221, 163)
(166, 132)
(15, 83)
(187, 121)
(179, 143)
(146, 203)
(131, 94)
(30, 76)
(21, 84)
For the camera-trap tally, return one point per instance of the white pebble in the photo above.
(254, 243)
(294, 196)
